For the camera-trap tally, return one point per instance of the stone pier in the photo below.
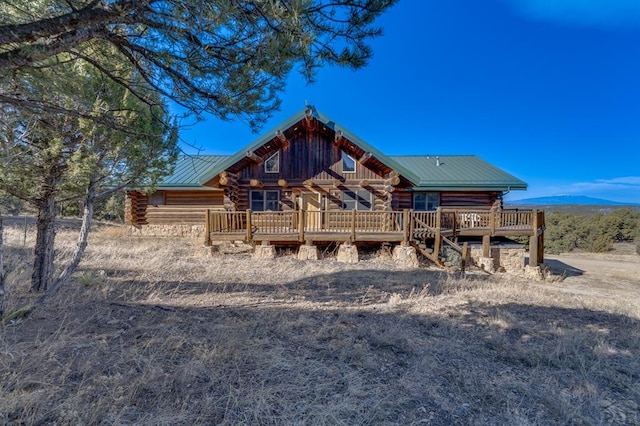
(308, 252)
(347, 253)
(264, 251)
(405, 256)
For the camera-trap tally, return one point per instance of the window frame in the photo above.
(277, 163)
(434, 204)
(355, 167)
(356, 200)
(265, 201)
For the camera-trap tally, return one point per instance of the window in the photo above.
(265, 200)
(358, 200)
(426, 201)
(156, 198)
(348, 163)
(272, 165)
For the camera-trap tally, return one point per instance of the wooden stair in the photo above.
(427, 252)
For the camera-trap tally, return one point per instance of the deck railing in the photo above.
(521, 219)
(274, 222)
(407, 224)
(226, 221)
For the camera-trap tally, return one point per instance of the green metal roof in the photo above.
(461, 172)
(324, 119)
(188, 169)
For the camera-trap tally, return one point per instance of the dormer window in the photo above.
(348, 163)
(272, 165)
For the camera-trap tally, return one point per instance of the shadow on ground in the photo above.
(329, 349)
(560, 268)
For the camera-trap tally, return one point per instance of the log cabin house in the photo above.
(310, 179)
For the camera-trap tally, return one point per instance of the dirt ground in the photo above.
(608, 275)
(160, 331)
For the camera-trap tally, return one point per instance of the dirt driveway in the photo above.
(614, 274)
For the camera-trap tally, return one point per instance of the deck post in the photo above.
(249, 236)
(207, 228)
(465, 256)
(353, 225)
(438, 238)
(454, 221)
(405, 227)
(301, 225)
(533, 241)
(412, 224)
(493, 218)
(541, 248)
(486, 246)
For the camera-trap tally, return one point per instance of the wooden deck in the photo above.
(405, 226)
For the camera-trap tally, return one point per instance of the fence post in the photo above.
(249, 236)
(207, 228)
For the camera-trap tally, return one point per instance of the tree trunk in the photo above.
(45, 237)
(81, 245)
(2, 291)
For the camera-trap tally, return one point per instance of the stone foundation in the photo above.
(504, 259)
(192, 231)
(347, 253)
(486, 263)
(308, 252)
(405, 256)
(264, 252)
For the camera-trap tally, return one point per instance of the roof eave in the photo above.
(469, 187)
(186, 188)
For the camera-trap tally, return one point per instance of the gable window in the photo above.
(356, 200)
(426, 201)
(348, 163)
(272, 165)
(265, 201)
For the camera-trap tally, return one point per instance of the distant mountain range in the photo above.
(569, 199)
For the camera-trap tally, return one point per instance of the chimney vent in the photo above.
(437, 161)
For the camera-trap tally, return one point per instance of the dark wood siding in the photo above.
(469, 199)
(310, 155)
(403, 199)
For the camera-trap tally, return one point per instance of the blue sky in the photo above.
(547, 90)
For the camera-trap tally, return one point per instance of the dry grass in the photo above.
(156, 331)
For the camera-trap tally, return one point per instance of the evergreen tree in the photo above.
(228, 58)
(57, 156)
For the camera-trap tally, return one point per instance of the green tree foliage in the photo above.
(595, 233)
(10, 204)
(111, 208)
(226, 57)
(61, 158)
